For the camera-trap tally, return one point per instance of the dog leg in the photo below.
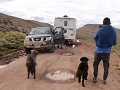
(79, 79)
(83, 81)
(28, 70)
(79, 76)
(34, 76)
(28, 74)
(34, 73)
(86, 75)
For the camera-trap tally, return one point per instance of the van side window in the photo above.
(65, 23)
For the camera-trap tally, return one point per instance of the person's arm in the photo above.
(115, 39)
(96, 36)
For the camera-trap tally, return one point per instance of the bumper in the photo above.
(38, 45)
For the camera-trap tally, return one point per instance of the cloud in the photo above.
(5, 0)
(37, 18)
(85, 11)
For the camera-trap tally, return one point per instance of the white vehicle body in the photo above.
(69, 25)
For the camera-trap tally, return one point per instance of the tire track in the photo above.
(46, 65)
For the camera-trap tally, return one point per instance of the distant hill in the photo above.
(88, 31)
(10, 23)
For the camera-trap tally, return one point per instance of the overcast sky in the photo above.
(85, 11)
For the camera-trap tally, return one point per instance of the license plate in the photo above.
(44, 43)
(37, 46)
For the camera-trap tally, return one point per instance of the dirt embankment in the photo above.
(6, 59)
(14, 75)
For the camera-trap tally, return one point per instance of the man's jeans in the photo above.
(97, 58)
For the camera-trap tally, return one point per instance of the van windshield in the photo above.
(40, 31)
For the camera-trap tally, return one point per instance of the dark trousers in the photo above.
(97, 58)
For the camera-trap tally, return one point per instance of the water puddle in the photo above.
(2, 66)
(61, 76)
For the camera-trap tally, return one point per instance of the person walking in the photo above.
(105, 38)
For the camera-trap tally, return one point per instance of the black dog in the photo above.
(82, 70)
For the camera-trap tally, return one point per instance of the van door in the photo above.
(58, 35)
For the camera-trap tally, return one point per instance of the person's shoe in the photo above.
(104, 82)
(94, 80)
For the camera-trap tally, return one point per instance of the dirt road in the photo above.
(14, 75)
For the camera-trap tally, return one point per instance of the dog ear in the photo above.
(86, 59)
(81, 59)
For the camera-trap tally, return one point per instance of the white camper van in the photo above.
(69, 26)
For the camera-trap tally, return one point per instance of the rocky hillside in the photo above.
(8, 23)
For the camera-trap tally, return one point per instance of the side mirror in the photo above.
(27, 34)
